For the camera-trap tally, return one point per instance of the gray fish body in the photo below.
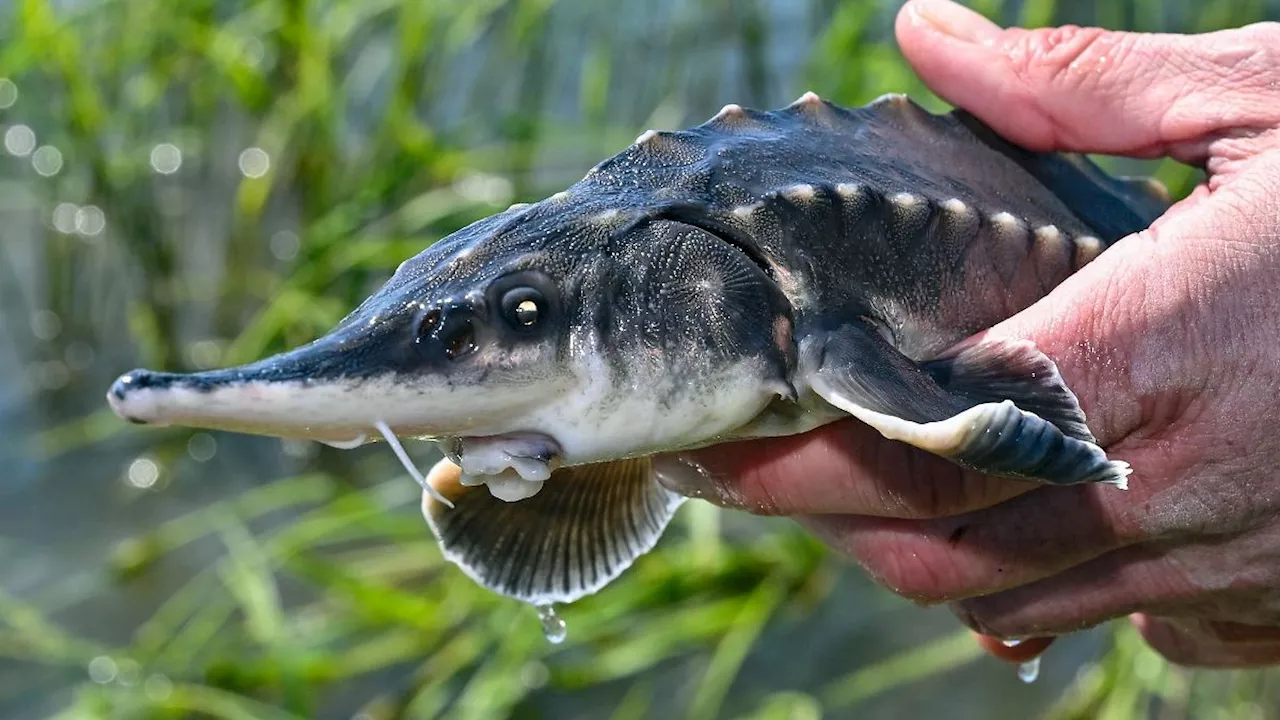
(761, 274)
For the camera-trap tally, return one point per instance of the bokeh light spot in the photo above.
(284, 245)
(484, 188)
(102, 670)
(143, 473)
(64, 218)
(19, 140)
(47, 160)
(8, 93)
(90, 220)
(254, 162)
(202, 447)
(158, 688)
(204, 354)
(78, 355)
(45, 324)
(166, 158)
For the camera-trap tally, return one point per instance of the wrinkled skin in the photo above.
(1171, 339)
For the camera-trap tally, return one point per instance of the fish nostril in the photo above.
(460, 340)
(430, 322)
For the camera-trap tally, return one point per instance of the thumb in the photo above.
(1092, 90)
(1110, 327)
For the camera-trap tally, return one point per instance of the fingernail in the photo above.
(684, 476)
(955, 20)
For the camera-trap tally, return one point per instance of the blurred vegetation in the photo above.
(212, 181)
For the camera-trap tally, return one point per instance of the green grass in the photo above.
(388, 125)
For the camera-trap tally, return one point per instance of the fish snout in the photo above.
(128, 399)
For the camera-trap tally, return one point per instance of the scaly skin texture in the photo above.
(1171, 339)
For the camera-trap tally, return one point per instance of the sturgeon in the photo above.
(758, 275)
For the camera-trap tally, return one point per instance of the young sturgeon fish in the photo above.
(761, 274)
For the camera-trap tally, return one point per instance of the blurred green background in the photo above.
(187, 183)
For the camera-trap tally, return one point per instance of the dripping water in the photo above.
(552, 624)
(1029, 670)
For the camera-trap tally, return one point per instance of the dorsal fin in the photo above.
(1113, 207)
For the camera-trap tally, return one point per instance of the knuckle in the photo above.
(1243, 58)
(1065, 55)
(1264, 35)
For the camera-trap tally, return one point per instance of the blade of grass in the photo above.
(904, 668)
(733, 648)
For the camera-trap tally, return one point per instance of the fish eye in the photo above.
(523, 307)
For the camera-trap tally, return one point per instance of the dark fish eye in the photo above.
(523, 306)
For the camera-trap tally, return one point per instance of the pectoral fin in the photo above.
(584, 527)
(996, 406)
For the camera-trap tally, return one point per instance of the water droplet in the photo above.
(20, 140)
(8, 93)
(102, 670)
(90, 220)
(1029, 670)
(202, 447)
(143, 473)
(47, 160)
(64, 218)
(166, 158)
(284, 245)
(254, 162)
(552, 624)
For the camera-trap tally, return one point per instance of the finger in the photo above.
(1018, 652)
(1017, 542)
(1211, 581)
(845, 467)
(1195, 643)
(1091, 90)
(1089, 594)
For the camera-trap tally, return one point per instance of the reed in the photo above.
(234, 177)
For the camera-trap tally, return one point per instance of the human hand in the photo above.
(1170, 339)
